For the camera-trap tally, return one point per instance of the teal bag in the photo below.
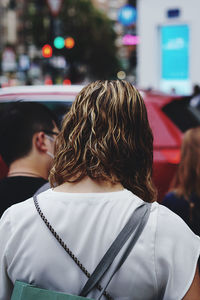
(25, 291)
(135, 224)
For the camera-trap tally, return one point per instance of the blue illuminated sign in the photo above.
(175, 52)
(127, 15)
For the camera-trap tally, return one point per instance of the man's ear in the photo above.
(39, 141)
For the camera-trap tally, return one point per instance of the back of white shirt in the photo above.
(161, 265)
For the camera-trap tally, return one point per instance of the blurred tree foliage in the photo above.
(35, 22)
(94, 52)
(94, 36)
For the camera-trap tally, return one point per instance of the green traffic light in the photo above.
(59, 42)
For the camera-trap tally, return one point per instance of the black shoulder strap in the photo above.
(65, 247)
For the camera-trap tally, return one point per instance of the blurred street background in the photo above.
(153, 44)
(66, 41)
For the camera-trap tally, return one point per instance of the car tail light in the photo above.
(173, 156)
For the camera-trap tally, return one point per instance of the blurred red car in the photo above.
(169, 117)
(167, 141)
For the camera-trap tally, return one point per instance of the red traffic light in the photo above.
(46, 51)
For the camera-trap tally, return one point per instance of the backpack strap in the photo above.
(134, 227)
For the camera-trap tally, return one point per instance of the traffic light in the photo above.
(69, 42)
(59, 42)
(46, 51)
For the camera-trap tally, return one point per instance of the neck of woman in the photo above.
(88, 185)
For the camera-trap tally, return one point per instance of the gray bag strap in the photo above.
(43, 188)
(135, 226)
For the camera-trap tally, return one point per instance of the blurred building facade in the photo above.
(168, 55)
(110, 7)
(8, 23)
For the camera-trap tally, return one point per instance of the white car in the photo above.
(56, 97)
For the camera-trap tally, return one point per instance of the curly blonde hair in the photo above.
(106, 136)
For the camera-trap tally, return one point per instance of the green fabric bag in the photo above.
(25, 291)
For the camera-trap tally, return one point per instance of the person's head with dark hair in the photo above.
(106, 136)
(25, 132)
(196, 90)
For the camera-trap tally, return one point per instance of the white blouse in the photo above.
(161, 265)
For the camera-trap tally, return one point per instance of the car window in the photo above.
(59, 108)
(182, 114)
